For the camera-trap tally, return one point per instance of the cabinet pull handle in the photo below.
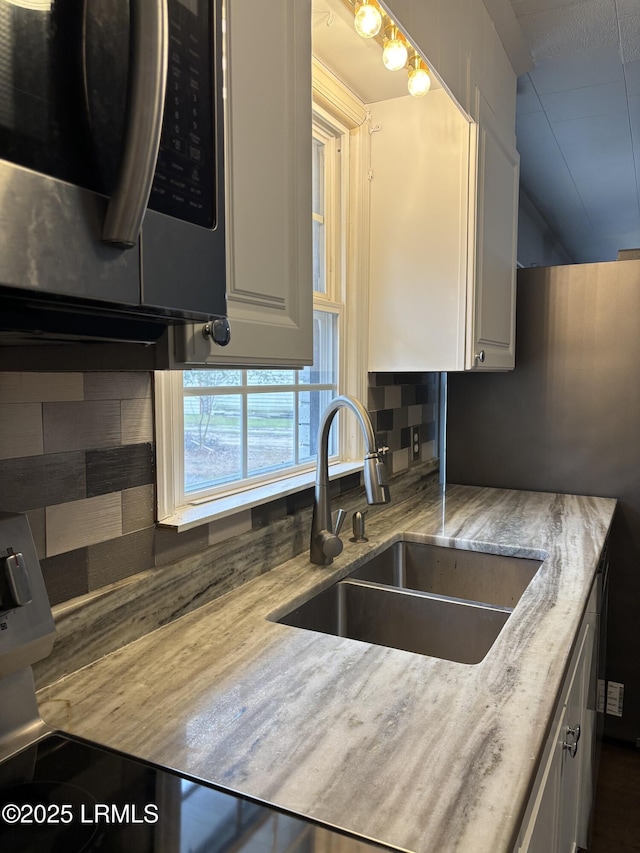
(150, 38)
(572, 746)
(480, 356)
(218, 331)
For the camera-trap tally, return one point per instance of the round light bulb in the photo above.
(419, 82)
(368, 20)
(395, 52)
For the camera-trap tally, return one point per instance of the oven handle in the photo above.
(148, 82)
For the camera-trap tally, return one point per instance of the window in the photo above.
(237, 432)
(245, 426)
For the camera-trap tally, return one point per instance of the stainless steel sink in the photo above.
(472, 575)
(414, 622)
(443, 602)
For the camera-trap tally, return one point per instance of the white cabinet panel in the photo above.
(557, 815)
(450, 47)
(492, 309)
(424, 28)
(542, 833)
(402, 12)
(459, 39)
(419, 158)
(444, 198)
(423, 317)
(572, 747)
(498, 86)
(269, 284)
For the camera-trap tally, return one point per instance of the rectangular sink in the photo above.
(472, 575)
(454, 630)
(431, 600)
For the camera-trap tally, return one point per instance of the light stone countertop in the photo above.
(423, 754)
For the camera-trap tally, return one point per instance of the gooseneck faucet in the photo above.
(325, 542)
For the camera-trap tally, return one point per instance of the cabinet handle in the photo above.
(218, 331)
(480, 356)
(573, 732)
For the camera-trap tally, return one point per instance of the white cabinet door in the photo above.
(419, 228)
(541, 835)
(555, 817)
(492, 295)
(269, 281)
(573, 748)
(588, 723)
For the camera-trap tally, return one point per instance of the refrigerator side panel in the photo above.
(567, 419)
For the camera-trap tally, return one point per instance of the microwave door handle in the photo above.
(148, 82)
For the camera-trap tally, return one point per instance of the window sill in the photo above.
(193, 515)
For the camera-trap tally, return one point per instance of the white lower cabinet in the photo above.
(559, 809)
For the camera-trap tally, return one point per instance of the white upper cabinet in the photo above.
(492, 279)
(420, 154)
(444, 206)
(444, 202)
(269, 277)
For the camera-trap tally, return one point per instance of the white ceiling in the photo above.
(578, 121)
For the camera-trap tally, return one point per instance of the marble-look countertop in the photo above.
(423, 754)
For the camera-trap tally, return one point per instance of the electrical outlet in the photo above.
(415, 443)
(615, 698)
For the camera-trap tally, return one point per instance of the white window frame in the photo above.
(347, 295)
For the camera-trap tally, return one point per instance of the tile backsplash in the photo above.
(77, 455)
(398, 402)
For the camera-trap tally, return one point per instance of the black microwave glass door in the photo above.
(57, 116)
(64, 71)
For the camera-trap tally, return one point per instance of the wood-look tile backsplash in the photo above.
(77, 455)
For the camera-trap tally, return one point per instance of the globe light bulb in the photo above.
(395, 52)
(419, 79)
(368, 20)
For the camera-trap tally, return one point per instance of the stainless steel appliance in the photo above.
(567, 419)
(111, 165)
(58, 792)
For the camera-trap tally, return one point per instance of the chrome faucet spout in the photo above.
(325, 542)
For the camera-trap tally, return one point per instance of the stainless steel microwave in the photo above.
(111, 164)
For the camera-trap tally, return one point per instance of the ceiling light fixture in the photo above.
(368, 20)
(395, 53)
(419, 79)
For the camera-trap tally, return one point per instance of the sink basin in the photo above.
(472, 575)
(427, 599)
(414, 622)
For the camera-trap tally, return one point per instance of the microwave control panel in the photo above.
(183, 186)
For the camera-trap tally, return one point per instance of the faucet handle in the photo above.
(381, 451)
(330, 545)
(337, 520)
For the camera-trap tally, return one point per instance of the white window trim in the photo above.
(339, 106)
